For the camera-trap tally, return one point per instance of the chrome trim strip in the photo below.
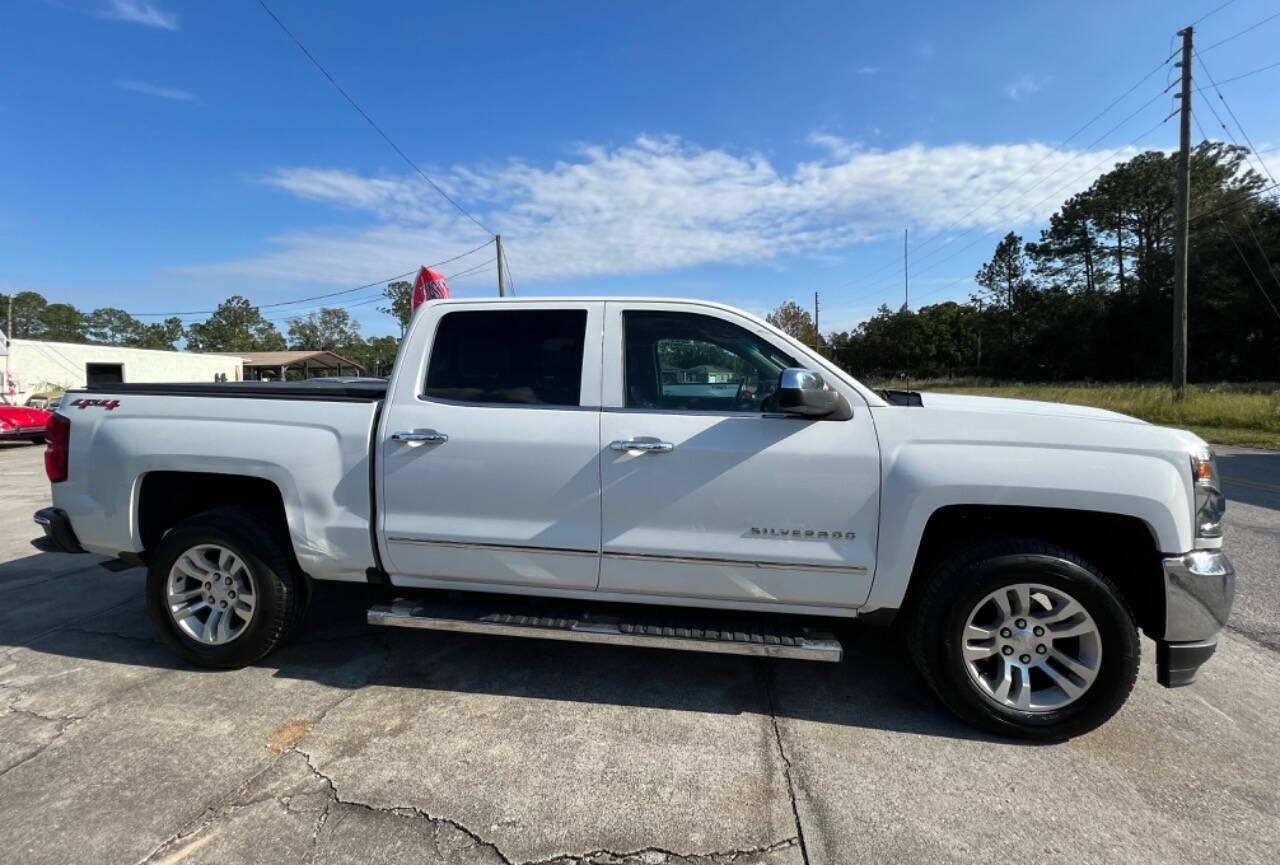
(738, 563)
(499, 548)
(400, 615)
(674, 560)
(1199, 588)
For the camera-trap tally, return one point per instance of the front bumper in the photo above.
(58, 534)
(1199, 588)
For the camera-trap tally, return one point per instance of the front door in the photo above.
(490, 451)
(708, 492)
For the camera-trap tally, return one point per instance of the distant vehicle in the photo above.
(22, 423)
(49, 401)
(662, 473)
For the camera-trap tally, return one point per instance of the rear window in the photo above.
(528, 357)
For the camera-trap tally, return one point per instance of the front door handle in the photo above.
(648, 445)
(413, 438)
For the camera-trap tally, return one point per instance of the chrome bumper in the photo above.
(1199, 587)
(1198, 590)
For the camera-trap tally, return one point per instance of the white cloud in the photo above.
(868, 70)
(173, 93)
(661, 204)
(140, 13)
(1026, 85)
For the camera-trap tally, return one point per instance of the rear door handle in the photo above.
(647, 445)
(413, 438)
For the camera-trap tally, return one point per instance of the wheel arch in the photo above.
(1124, 547)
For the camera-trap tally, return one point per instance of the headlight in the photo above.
(1210, 503)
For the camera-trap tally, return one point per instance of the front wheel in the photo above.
(1026, 639)
(221, 588)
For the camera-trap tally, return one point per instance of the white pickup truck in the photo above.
(664, 473)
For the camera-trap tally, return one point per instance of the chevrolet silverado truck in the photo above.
(665, 473)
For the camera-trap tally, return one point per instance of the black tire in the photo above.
(937, 621)
(37, 440)
(245, 532)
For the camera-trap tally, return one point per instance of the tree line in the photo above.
(1092, 297)
(236, 326)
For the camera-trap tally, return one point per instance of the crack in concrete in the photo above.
(401, 811)
(600, 856)
(763, 670)
(62, 722)
(646, 854)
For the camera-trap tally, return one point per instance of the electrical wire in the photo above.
(319, 296)
(1211, 12)
(370, 121)
(1251, 27)
(1241, 75)
(1235, 205)
(1052, 151)
(1234, 119)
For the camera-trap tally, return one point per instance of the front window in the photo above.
(680, 360)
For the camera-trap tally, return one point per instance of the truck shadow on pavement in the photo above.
(875, 687)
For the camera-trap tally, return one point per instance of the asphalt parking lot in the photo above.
(355, 744)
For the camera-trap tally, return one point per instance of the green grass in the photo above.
(1224, 414)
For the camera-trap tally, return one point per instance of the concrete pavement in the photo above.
(359, 745)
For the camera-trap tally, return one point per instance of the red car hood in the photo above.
(27, 418)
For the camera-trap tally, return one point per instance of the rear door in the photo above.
(490, 449)
(708, 492)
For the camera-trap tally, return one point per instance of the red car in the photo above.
(19, 422)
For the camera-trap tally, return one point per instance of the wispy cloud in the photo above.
(1027, 85)
(140, 13)
(660, 204)
(174, 93)
(868, 70)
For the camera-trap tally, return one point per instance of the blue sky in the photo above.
(160, 156)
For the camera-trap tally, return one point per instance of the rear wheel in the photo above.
(1026, 639)
(37, 440)
(221, 588)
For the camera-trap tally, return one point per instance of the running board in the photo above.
(672, 630)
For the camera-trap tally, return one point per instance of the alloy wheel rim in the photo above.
(211, 594)
(1031, 647)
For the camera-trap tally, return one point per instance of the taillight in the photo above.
(58, 435)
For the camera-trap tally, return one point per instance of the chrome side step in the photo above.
(740, 637)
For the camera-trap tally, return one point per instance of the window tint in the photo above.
(680, 360)
(508, 356)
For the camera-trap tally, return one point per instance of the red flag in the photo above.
(429, 285)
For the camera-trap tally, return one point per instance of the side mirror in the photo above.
(802, 392)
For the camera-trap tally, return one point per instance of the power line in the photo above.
(369, 120)
(1023, 194)
(1234, 119)
(511, 283)
(319, 296)
(1249, 268)
(1251, 27)
(1090, 170)
(1241, 75)
(1211, 12)
(1052, 151)
(1236, 205)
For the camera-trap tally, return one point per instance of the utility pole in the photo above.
(817, 340)
(906, 281)
(502, 289)
(6, 342)
(1183, 205)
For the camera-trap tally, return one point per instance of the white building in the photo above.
(36, 366)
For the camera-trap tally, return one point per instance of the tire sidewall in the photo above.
(1120, 646)
(261, 633)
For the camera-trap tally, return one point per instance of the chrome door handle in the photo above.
(414, 438)
(648, 445)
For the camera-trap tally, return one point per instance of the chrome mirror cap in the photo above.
(803, 392)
